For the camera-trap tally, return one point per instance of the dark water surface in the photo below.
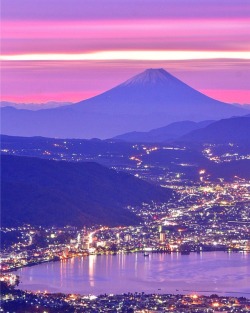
(206, 273)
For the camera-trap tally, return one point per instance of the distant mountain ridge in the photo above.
(33, 106)
(151, 99)
(231, 130)
(46, 192)
(163, 134)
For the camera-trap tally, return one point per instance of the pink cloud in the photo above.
(98, 35)
(52, 29)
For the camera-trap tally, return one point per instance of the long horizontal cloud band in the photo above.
(131, 55)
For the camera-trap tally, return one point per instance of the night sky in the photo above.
(69, 50)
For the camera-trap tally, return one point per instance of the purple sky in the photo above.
(69, 50)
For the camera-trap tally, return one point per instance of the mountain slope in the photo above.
(44, 192)
(149, 100)
(231, 130)
(163, 134)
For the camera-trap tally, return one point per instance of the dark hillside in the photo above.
(45, 192)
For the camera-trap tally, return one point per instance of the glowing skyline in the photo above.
(70, 50)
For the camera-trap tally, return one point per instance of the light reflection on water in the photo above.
(211, 272)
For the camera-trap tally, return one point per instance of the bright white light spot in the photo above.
(129, 55)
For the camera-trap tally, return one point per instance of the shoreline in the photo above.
(84, 254)
(139, 301)
(184, 292)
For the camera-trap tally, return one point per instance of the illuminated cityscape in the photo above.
(125, 156)
(206, 213)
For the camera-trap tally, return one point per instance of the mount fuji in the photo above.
(151, 99)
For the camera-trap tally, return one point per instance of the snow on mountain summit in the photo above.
(151, 76)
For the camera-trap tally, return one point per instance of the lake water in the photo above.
(205, 273)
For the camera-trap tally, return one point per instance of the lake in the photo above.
(206, 273)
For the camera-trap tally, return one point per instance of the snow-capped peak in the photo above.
(150, 76)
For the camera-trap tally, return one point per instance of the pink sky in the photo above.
(44, 32)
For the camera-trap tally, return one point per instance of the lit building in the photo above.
(162, 237)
